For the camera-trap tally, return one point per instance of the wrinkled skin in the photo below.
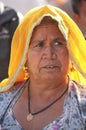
(48, 57)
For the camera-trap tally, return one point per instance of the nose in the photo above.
(49, 52)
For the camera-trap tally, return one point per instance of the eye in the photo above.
(40, 44)
(36, 44)
(57, 43)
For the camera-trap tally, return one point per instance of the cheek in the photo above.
(33, 62)
(29, 62)
(64, 58)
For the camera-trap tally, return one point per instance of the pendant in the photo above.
(29, 117)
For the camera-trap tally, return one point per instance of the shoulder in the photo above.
(81, 95)
(80, 89)
(5, 99)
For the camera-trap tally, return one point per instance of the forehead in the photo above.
(47, 20)
(49, 32)
(47, 24)
(46, 28)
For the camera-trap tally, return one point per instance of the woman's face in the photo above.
(48, 56)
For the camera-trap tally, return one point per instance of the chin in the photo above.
(49, 77)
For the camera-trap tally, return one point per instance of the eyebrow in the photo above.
(59, 38)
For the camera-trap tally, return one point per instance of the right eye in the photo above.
(40, 44)
(37, 44)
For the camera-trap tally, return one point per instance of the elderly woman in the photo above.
(47, 56)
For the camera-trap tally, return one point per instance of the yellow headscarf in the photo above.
(75, 42)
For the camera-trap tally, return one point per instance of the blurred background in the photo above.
(24, 6)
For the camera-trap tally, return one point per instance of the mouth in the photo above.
(51, 67)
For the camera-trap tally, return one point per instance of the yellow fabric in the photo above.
(20, 44)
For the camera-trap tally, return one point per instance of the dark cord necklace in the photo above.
(30, 115)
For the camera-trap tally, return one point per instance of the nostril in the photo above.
(49, 55)
(49, 52)
(54, 55)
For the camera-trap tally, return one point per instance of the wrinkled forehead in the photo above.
(49, 24)
(47, 20)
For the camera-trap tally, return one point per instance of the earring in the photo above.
(26, 72)
(72, 67)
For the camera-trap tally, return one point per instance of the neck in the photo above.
(42, 100)
(47, 89)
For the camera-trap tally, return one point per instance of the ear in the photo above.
(76, 18)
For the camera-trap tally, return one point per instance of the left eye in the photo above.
(57, 43)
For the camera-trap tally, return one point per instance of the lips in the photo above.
(50, 67)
